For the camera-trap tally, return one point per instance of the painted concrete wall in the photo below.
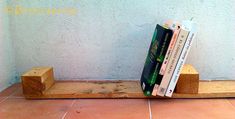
(7, 64)
(109, 39)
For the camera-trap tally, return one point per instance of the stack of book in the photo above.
(167, 53)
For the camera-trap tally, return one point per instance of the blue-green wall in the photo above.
(7, 59)
(109, 39)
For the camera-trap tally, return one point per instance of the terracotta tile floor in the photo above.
(14, 106)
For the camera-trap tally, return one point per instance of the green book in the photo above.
(157, 50)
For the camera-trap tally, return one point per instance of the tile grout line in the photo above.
(71, 105)
(8, 96)
(5, 98)
(17, 97)
(150, 110)
(63, 117)
(11, 96)
(230, 103)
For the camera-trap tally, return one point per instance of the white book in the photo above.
(173, 61)
(182, 58)
(176, 28)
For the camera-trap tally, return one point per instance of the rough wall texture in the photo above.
(109, 39)
(7, 64)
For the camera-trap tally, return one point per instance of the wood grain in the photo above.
(37, 80)
(128, 89)
(39, 83)
(188, 82)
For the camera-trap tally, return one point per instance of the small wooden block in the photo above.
(37, 80)
(188, 82)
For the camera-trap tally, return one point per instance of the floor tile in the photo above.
(109, 109)
(17, 108)
(192, 109)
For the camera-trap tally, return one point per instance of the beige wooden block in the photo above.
(188, 82)
(37, 80)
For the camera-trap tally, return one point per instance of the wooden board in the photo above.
(128, 89)
(39, 83)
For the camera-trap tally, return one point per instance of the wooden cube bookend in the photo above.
(188, 82)
(37, 80)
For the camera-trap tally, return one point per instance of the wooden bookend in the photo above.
(37, 81)
(188, 82)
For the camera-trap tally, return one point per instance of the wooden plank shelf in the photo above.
(39, 83)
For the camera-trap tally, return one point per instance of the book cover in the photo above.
(192, 28)
(172, 61)
(160, 41)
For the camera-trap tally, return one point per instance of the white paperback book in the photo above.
(192, 28)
